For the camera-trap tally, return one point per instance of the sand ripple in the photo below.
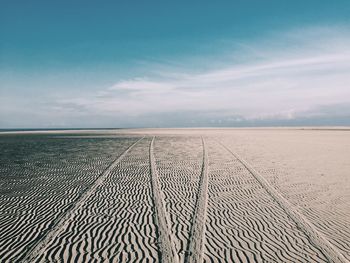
(168, 198)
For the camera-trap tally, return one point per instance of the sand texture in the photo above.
(175, 195)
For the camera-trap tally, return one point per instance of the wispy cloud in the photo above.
(311, 69)
(298, 74)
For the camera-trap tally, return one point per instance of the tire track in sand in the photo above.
(165, 238)
(197, 233)
(317, 238)
(60, 223)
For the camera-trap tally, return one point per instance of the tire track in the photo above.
(317, 238)
(244, 223)
(60, 223)
(165, 237)
(197, 232)
(179, 163)
(116, 224)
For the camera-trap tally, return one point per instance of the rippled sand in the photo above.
(175, 195)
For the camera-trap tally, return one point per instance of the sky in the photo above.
(115, 64)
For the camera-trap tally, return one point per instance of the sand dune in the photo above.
(205, 196)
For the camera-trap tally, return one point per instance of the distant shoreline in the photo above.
(109, 130)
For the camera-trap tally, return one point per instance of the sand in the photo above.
(175, 195)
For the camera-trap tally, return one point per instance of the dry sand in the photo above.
(175, 195)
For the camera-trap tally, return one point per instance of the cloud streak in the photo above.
(285, 82)
(297, 75)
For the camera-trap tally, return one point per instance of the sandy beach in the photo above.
(175, 195)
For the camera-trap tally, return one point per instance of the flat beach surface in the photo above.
(175, 195)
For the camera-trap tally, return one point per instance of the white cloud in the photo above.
(142, 84)
(295, 73)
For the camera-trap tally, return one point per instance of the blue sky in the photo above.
(174, 63)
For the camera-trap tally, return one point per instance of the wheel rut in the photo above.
(315, 237)
(59, 224)
(195, 248)
(165, 237)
